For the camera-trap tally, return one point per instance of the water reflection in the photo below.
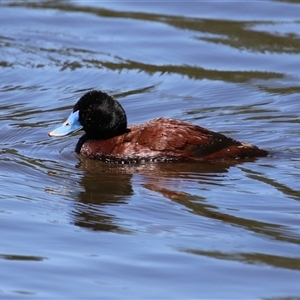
(100, 190)
(194, 72)
(22, 257)
(252, 258)
(201, 207)
(111, 184)
(240, 35)
(237, 34)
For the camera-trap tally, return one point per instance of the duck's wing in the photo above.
(183, 140)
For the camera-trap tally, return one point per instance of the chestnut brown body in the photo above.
(165, 139)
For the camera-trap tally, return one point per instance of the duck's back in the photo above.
(165, 139)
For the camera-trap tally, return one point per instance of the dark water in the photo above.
(74, 228)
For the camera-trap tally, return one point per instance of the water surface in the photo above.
(76, 228)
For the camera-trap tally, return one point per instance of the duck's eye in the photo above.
(67, 123)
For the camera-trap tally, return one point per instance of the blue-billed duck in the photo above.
(108, 138)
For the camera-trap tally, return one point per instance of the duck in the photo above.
(108, 138)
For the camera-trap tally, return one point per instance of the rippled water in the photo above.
(77, 228)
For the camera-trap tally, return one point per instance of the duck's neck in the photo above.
(107, 134)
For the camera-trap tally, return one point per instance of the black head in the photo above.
(101, 115)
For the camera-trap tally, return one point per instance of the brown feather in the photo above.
(165, 139)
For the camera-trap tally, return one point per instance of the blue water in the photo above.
(76, 228)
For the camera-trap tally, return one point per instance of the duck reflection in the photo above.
(107, 185)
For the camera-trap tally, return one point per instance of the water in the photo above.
(76, 228)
